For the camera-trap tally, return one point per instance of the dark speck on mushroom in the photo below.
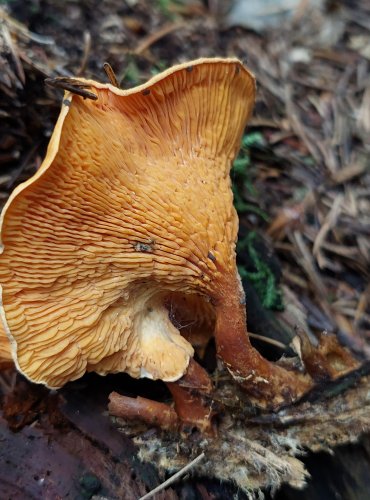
(143, 247)
(211, 257)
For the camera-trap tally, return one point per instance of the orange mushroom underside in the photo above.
(129, 218)
(132, 203)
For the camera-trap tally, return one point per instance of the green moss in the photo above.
(158, 68)
(132, 73)
(262, 278)
(242, 179)
(164, 6)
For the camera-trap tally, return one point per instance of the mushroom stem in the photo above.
(269, 385)
(195, 378)
(192, 409)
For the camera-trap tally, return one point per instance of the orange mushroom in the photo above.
(132, 208)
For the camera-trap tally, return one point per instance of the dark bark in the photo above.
(63, 446)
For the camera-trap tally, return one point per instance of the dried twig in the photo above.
(86, 53)
(12, 49)
(174, 478)
(21, 29)
(157, 35)
(73, 85)
(330, 221)
(111, 74)
(268, 340)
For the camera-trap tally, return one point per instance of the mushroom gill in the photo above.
(131, 204)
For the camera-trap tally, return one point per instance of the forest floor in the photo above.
(301, 187)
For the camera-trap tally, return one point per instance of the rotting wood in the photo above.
(238, 455)
(76, 452)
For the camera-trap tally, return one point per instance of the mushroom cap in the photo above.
(132, 203)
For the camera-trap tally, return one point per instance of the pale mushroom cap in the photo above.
(132, 202)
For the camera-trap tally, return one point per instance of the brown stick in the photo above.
(73, 85)
(173, 478)
(145, 410)
(157, 35)
(111, 74)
